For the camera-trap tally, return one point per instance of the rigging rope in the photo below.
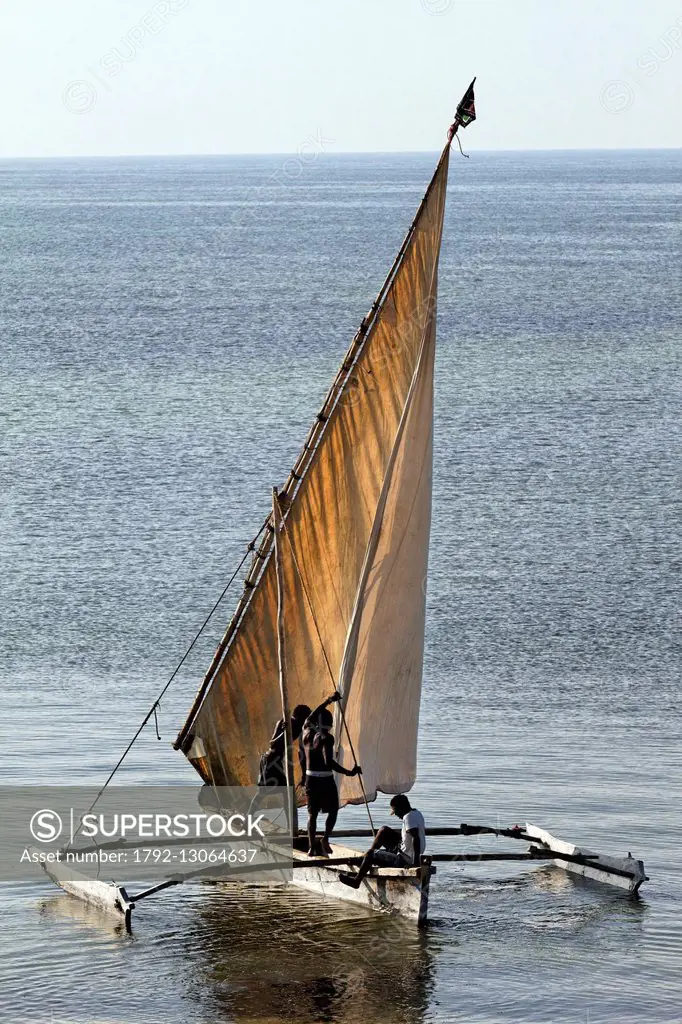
(153, 709)
(460, 147)
(329, 669)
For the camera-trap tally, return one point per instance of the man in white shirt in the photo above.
(392, 848)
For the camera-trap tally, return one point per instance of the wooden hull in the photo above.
(107, 897)
(400, 891)
(623, 872)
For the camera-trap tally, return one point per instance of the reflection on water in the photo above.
(249, 953)
(324, 962)
(72, 911)
(223, 953)
(226, 953)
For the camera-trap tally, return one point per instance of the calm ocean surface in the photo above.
(168, 330)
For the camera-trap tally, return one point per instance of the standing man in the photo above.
(321, 793)
(392, 848)
(272, 771)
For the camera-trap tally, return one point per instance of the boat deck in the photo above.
(401, 891)
(342, 855)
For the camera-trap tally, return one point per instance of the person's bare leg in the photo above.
(328, 829)
(354, 881)
(367, 862)
(312, 829)
(381, 839)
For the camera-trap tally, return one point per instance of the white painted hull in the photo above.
(107, 897)
(400, 891)
(633, 870)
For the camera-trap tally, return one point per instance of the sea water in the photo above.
(169, 327)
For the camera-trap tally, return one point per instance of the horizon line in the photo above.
(341, 152)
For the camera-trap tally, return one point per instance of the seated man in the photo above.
(392, 848)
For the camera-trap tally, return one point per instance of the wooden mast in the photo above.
(292, 814)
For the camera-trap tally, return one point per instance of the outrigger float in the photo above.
(334, 600)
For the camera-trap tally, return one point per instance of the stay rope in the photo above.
(329, 669)
(152, 713)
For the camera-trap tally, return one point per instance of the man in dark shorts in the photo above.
(392, 848)
(322, 796)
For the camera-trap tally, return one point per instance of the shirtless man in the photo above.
(320, 786)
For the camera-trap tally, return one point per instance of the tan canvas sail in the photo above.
(381, 681)
(357, 515)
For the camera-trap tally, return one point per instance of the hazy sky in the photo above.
(249, 76)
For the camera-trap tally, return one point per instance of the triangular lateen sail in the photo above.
(358, 525)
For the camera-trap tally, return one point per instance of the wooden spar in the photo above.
(338, 833)
(320, 425)
(282, 839)
(281, 662)
(157, 888)
(215, 874)
(453, 830)
(278, 839)
(285, 840)
(446, 858)
(533, 855)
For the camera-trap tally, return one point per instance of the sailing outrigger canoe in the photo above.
(334, 599)
(399, 891)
